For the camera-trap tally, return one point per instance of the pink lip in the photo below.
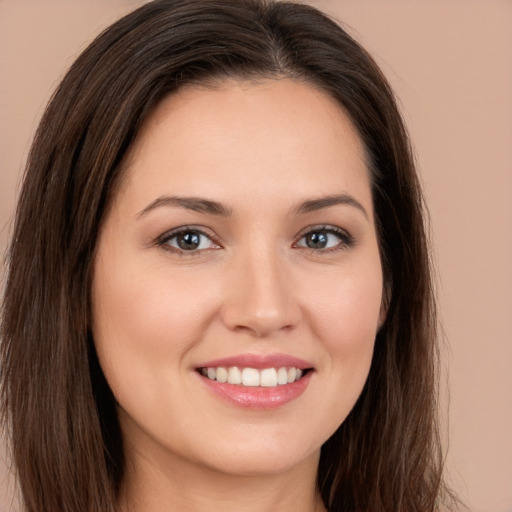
(258, 397)
(258, 361)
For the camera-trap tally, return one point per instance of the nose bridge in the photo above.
(260, 300)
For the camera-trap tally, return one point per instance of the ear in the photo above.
(384, 305)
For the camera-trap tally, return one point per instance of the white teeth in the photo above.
(251, 377)
(282, 376)
(222, 374)
(234, 375)
(268, 377)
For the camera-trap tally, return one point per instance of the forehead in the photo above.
(240, 134)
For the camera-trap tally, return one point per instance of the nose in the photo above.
(260, 298)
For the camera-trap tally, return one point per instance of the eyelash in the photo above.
(345, 239)
(163, 241)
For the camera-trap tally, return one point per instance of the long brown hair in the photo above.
(60, 413)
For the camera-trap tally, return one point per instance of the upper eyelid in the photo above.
(346, 240)
(165, 237)
(323, 227)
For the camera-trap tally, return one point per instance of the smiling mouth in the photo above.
(253, 377)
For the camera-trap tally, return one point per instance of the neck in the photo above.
(179, 485)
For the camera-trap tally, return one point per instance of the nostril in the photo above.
(263, 329)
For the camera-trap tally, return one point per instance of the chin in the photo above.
(265, 463)
(269, 455)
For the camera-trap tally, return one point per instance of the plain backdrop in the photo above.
(450, 63)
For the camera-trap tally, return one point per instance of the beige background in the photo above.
(451, 64)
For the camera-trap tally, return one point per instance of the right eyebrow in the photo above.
(196, 204)
(327, 201)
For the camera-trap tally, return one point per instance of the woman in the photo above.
(219, 291)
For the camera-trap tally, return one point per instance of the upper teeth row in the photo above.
(267, 377)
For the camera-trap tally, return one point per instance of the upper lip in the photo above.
(258, 361)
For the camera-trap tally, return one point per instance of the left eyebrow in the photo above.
(319, 203)
(197, 204)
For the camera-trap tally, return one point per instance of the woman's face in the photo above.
(241, 246)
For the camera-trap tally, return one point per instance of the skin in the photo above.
(252, 287)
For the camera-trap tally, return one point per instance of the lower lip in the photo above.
(258, 397)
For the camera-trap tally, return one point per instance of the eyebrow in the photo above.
(319, 203)
(196, 204)
(207, 206)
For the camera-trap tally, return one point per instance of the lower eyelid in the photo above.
(163, 240)
(345, 238)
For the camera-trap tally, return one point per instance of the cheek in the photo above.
(345, 314)
(347, 307)
(144, 321)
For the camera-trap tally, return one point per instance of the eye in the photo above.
(187, 240)
(325, 238)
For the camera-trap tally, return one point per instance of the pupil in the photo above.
(189, 241)
(317, 240)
